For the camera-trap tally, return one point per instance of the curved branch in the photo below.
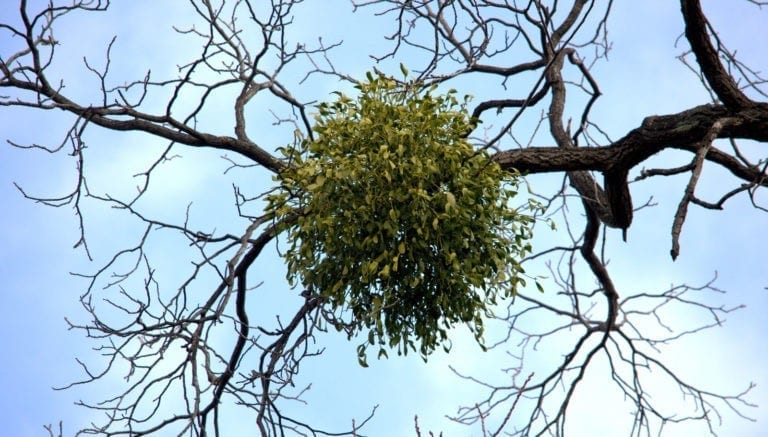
(683, 130)
(163, 126)
(697, 34)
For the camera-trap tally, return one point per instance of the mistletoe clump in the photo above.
(397, 221)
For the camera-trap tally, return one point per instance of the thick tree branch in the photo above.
(683, 130)
(697, 34)
(655, 134)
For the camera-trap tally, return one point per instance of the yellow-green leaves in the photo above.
(450, 201)
(402, 226)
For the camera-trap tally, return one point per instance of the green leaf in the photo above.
(450, 201)
(384, 273)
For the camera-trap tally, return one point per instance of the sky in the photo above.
(640, 78)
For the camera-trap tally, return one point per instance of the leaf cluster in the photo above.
(400, 224)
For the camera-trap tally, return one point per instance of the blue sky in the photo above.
(641, 78)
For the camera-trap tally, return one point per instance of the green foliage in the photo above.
(398, 222)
